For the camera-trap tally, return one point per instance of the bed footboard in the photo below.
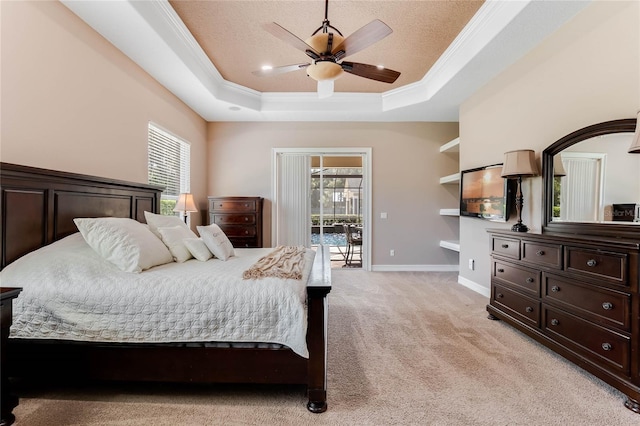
(318, 288)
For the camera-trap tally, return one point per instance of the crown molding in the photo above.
(152, 35)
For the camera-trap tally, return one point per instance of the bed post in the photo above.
(318, 288)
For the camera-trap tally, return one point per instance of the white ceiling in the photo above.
(459, 55)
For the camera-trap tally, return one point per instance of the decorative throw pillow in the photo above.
(156, 221)
(126, 243)
(216, 241)
(173, 237)
(198, 249)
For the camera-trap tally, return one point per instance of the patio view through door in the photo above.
(336, 207)
(325, 195)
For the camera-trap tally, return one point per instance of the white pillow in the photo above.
(124, 242)
(173, 238)
(216, 241)
(198, 249)
(156, 221)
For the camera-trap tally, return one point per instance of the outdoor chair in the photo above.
(354, 239)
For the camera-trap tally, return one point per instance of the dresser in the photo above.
(576, 295)
(239, 217)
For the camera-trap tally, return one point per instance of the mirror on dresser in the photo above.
(591, 183)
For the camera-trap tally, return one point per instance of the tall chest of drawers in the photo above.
(577, 296)
(240, 218)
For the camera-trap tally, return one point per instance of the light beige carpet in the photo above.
(411, 348)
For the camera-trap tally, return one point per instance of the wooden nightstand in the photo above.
(8, 401)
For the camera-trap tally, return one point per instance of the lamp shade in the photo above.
(635, 144)
(185, 203)
(558, 167)
(519, 163)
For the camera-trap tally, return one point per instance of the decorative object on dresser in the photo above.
(519, 164)
(185, 204)
(575, 287)
(7, 400)
(239, 217)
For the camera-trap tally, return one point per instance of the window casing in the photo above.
(169, 166)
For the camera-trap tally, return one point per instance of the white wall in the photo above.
(585, 73)
(406, 167)
(71, 101)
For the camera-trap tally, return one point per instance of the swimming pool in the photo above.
(330, 239)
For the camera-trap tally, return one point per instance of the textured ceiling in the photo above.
(204, 52)
(232, 35)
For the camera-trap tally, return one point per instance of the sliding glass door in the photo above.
(319, 196)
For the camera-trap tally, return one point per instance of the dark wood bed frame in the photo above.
(38, 207)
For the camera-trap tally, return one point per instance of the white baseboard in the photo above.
(474, 286)
(415, 268)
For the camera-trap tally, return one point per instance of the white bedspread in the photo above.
(70, 293)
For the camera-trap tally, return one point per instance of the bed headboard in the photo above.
(37, 206)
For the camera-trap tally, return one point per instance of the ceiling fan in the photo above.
(327, 47)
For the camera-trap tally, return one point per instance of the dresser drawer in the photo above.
(526, 279)
(232, 205)
(516, 305)
(542, 254)
(600, 305)
(239, 231)
(506, 247)
(609, 348)
(599, 264)
(239, 242)
(233, 219)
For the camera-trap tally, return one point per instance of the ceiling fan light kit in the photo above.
(327, 48)
(324, 70)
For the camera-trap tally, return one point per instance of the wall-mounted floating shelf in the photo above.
(450, 245)
(454, 178)
(449, 212)
(452, 146)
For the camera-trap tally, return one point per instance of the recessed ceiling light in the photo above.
(266, 67)
(234, 108)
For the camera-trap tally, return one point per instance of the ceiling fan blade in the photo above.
(374, 31)
(288, 37)
(384, 75)
(325, 88)
(279, 70)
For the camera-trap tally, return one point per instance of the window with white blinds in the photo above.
(169, 165)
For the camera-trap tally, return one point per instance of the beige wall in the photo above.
(585, 73)
(406, 167)
(73, 102)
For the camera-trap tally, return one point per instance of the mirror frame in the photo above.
(627, 125)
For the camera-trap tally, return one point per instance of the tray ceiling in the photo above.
(204, 52)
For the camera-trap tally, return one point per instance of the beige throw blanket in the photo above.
(283, 262)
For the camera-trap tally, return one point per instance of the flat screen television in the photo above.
(485, 194)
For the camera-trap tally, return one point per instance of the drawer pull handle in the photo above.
(505, 246)
(606, 346)
(499, 295)
(555, 289)
(591, 262)
(607, 306)
(500, 270)
(555, 322)
(530, 280)
(540, 252)
(529, 309)
(246, 219)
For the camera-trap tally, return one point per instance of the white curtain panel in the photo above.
(293, 218)
(579, 193)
